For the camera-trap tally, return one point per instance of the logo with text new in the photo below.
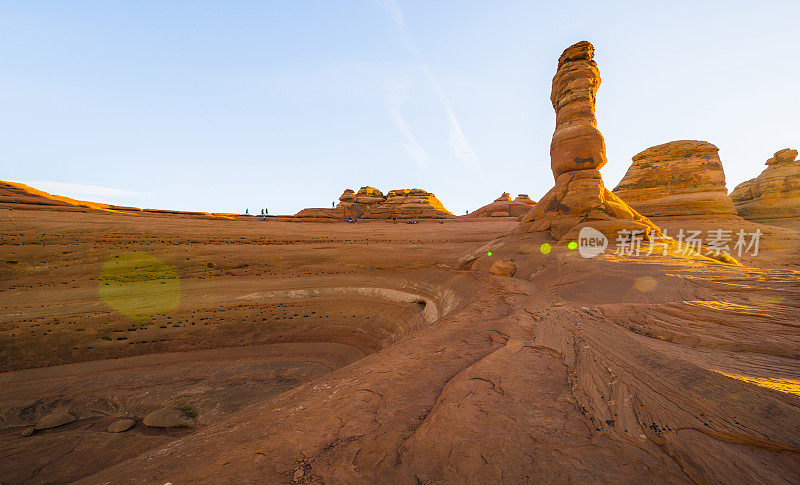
(591, 242)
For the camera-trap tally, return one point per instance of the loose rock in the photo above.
(52, 420)
(121, 425)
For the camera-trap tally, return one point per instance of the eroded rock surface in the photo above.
(577, 143)
(121, 425)
(576, 153)
(55, 419)
(774, 196)
(503, 206)
(407, 204)
(679, 178)
(370, 203)
(168, 418)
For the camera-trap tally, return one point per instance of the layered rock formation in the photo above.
(368, 195)
(15, 195)
(503, 206)
(577, 143)
(774, 196)
(370, 203)
(577, 151)
(407, 204)
(679, 178)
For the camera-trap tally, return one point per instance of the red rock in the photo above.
(121, 425)
(679, 178)
(503, 206)
(524, 199)
(774, 196)
(503, 268)
(407, 204)
(55, 419)
(577, 143)
(168, 418)
(370, 203)
(576, 154)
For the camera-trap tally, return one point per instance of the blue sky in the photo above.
(223, 106)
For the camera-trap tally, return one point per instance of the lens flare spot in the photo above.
(572, 245)
(545, 248)
(644, 284)
(488, 253)
(139, 285)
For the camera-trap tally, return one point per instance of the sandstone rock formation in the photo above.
(679, 178)
(784, 155)
(407, 204)
(577, 152)
(370, 203)
(168, 418)
(122, 425)
(577, 143)
(348, 196)
(15, 195)
(502, 267)
(369, 195)
(525, 199)
(503, 206)
(55, 419)
(774, 196)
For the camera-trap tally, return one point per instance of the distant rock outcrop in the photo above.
(370, 203)
(15, 195)
(679, 178)
(576, 153)
(503, 206)
(774, 196)
(525, 199)
(407, 204)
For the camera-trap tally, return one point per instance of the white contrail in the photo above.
(396, 96)
(457, 141)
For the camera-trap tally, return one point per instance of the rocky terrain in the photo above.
(165, 348)
(503, 206)
(679, 178)
(774, 196)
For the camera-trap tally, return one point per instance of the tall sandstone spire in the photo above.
(577, 152)
(577, 143)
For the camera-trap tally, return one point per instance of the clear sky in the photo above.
(228, 105)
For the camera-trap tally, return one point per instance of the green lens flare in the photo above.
(139, 285)
(572, 245)
(545, 249)
(489, 253)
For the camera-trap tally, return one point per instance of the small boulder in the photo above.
(52, 420)
(27, 431)
(503, 268)
(168, 418)
(121, 425)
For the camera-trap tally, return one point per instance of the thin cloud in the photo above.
(396, 94)
(456, 139)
